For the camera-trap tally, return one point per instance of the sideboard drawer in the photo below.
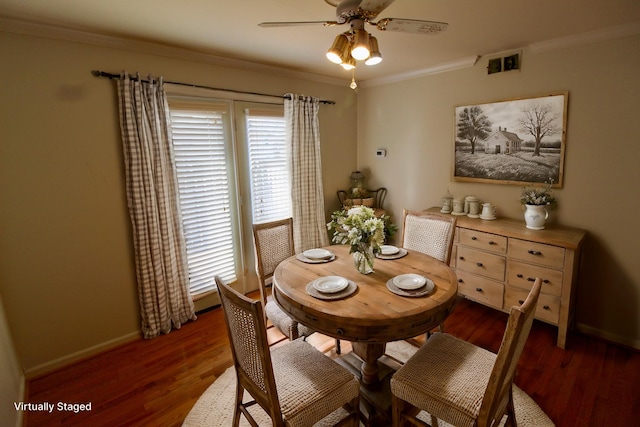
(537, 253)
(482, 263)
(485, 241)
(547, 310)
(497, 261)
(484, 291)
(522, 275)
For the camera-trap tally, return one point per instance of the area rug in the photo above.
(215, 407)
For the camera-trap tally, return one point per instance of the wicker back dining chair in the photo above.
(429, 233)
(274, 243)
(294, 383)
(460, 383)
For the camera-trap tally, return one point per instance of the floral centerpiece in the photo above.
(538, 196)
(536, 201)
(362, 230)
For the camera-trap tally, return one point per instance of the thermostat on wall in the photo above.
(381, 152)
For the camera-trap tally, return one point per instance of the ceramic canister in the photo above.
(488, 210)
(458, 206)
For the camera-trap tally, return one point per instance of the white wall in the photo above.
(66, 259)
(414, 120)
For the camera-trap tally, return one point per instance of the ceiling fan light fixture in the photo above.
(360, 50)
(346, 51)
(348, 64)
(357, 44)
(375, 57)
(335, 53)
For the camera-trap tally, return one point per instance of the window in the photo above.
(204, 164)
(268, 165)
(215, 165)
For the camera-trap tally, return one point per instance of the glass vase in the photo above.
(363, 258)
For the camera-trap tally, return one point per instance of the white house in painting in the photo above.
(503, 142)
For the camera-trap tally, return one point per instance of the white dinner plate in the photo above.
(317, 254)
(388, 250)
(409, 281)
(330, 284)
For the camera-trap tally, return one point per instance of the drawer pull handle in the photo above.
(340, 331)
(546, 307)
(479, 264)
(520, 276)
(532, 252)
(461, 258)
(520, 301)
(460, 281)
(474, 238)
(491, 242)
(533, 279)
(479, 290)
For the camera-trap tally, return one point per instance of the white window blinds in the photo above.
(268, 165)
(201, 144)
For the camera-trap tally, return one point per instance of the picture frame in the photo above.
(517, 141)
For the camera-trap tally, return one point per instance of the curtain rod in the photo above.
(98, 73)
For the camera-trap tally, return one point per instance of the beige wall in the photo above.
(413, 120)
(66, 264)
(12, 384)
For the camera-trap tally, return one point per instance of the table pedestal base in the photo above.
(369, 353)
(375, 397)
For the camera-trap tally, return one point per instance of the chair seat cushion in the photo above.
(310, 385)
(283, 321)
(446, 377)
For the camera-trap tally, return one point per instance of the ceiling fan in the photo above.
(357, 43)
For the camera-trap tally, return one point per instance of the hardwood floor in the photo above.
(156, 382)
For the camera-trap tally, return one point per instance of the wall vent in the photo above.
(506, 62)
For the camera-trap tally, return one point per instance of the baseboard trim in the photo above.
(61, 362)
(612, 338)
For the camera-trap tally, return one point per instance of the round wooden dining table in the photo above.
(372, 315)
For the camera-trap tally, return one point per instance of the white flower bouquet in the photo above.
(538, 196)
(357, 227)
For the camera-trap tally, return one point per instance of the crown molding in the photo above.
(18, 26)
(610, 33)
(601, 35)
(442, 68)
(15, 25)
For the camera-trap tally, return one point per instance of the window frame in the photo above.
(247, 277)
(226, 107)
(272, 112)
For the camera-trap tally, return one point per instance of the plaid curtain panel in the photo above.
(151, 186)
(307, 196)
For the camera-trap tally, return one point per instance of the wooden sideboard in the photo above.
(497, 261)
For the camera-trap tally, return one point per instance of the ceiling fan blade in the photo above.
(372, 8)
(299, 23)
(411, 26)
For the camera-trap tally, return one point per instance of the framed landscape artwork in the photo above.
(515, 141)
